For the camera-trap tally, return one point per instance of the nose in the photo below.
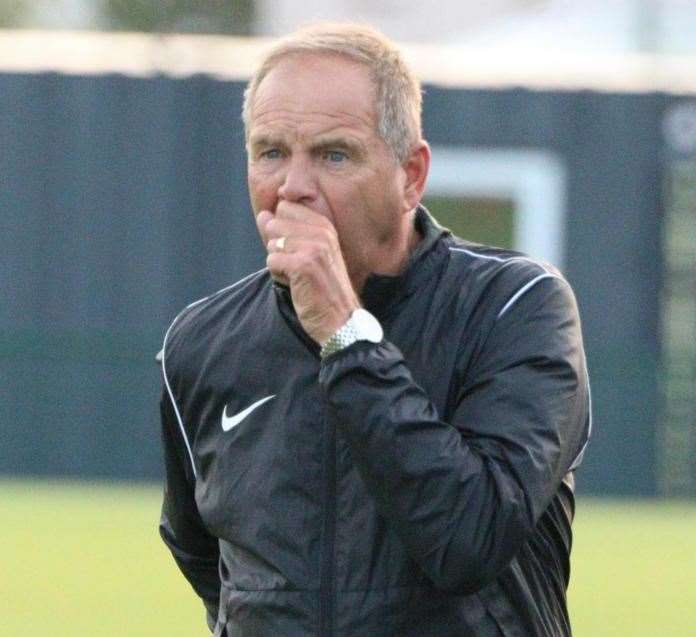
(299, 185)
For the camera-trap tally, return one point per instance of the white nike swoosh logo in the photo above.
(232, 421)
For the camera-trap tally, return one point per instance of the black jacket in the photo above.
(419, 487)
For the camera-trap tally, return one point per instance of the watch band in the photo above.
(361, 326)
(341, 338)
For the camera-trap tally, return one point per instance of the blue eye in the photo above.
(273, 153)
(336, 156)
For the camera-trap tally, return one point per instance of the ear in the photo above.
(416, 167)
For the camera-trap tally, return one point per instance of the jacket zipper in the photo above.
(326, 625)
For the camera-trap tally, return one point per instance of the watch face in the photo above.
(367, 326)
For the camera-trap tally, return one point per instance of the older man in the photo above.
(377, 433)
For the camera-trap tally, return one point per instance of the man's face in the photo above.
(313, 140)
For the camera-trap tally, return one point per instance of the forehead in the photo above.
(315, 91)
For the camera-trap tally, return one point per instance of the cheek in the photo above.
(335, 199)
(262, 190)
(381, 199)
(356, 202)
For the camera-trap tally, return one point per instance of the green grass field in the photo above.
(86, 560)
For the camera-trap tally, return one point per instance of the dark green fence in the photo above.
(122, 199)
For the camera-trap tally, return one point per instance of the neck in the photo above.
(393, 256)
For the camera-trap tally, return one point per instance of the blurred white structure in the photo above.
(444, 20)
(660, 26)
(593, 26)
(650, 26)
(63, 14)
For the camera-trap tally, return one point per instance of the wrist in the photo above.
(330, 328)
(360, 326)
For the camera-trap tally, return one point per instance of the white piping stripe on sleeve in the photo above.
(499, 259)
(176, 409)
(220, 291)
(578, 459)
(524, 289)
(507, 306)
(164, 368)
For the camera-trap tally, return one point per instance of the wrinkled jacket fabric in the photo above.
(422, 486)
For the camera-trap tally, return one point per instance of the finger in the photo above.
(290, 266)
(291, 228)
(290, 245)
(294, 211)
(262, 219)
(278, 245)
(280, 265)
(309, 257)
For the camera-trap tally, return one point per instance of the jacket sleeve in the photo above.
(464, 495)
(195, 551)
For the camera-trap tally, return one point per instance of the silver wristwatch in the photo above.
(361, 326)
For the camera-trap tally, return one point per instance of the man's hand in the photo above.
(304, 253)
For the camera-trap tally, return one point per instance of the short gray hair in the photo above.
(398, 99)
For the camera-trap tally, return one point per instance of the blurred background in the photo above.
(563, 128)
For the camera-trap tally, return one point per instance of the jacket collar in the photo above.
(383, 291)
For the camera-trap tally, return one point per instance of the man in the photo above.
(377, 433)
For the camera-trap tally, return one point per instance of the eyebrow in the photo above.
(354, 147)
(339, 143)
(261, 141)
